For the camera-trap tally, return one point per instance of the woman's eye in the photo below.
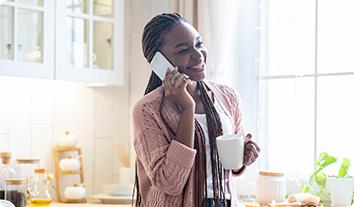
(183, 51)
(199, 44)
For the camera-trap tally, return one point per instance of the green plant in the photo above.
(317, 181)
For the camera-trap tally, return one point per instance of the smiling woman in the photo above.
(177, 159)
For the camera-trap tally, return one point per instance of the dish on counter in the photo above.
(118, 189)
(109, 199)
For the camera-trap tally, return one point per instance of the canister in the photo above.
(16, 191)
(271, 187)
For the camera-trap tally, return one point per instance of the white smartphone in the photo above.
(159, 64)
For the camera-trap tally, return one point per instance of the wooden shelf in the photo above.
(65, 149)
(69, 172)
(59, 152)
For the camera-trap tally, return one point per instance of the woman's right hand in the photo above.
(175, 86)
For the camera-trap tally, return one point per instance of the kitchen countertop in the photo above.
(88, 204)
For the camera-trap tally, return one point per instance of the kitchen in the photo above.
(49, 88)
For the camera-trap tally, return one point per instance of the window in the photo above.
(306, 78)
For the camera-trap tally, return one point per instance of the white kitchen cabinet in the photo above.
(89, 40)
(27, 38)
(76, 40)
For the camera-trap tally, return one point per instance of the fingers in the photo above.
(168, 81)
(250, 142)
(249, 157)
(251, 152)
(181, 81)
(248, 139)
(174, 80)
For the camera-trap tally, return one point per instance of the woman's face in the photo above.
(184, 48)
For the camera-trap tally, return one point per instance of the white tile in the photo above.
(19, 97)
(4, 121)
(103, 164)
(42, 144)
(4, 142)
(42, 107)
(63, 122)
(20, 133)
(4, 94)
(103, 105)
(105, 129)
(89, 176)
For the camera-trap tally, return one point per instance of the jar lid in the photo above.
(27, 161)
(271, 173)
(40, 170)
(15, 181)
(5, 154)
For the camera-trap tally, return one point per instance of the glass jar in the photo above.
(25, 169)
(40, 195)
(6, 172)
(271, 187)
(15, 191)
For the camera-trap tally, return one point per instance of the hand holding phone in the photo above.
(159, 64)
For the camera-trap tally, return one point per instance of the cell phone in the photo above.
(159, 64)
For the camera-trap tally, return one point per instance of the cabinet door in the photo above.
(89, 41)
(27, 38)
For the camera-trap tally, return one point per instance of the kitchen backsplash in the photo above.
(34, 113)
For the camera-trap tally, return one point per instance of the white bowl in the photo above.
(4, 203)
(118, 189)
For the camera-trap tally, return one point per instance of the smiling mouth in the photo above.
(198, 68)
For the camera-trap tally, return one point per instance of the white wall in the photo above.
(35, 112)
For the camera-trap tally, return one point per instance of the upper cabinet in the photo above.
(89, 40)
(27, 38)
(76, 40)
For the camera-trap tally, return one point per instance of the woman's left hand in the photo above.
(251, 151)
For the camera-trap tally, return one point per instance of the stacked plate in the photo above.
(116, 194)
(118, 189)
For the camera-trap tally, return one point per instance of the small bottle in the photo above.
(6, 172)
(40, 195)
(15, 191)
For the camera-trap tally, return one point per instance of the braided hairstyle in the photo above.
(152, 42)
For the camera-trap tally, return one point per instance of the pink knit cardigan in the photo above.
(166, 167)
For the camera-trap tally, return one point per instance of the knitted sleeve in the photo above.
(236, 111)
(234, 102)
(167, 164)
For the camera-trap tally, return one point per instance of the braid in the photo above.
(214, 130)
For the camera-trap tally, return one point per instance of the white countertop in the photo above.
(88, 204)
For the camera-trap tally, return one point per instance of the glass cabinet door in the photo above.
(89, 44)
(27, 38)
(30, 36)
(6, 32)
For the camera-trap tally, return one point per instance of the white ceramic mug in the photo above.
(230, 149)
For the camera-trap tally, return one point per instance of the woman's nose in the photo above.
(197, 54)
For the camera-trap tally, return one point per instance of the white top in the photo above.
(226, 123)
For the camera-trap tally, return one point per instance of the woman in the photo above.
(177, 121)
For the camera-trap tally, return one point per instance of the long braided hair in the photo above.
(151, 43)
